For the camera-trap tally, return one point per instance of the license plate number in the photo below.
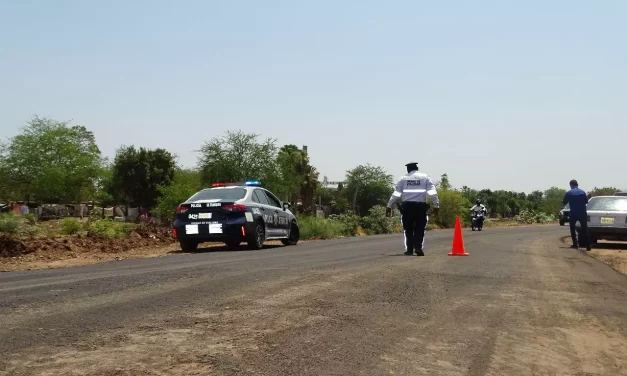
(200, 216)
(607, 221)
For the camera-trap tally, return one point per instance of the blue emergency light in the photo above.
(253, 183)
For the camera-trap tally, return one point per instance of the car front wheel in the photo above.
(294, 236)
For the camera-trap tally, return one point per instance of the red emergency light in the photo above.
(220, 184)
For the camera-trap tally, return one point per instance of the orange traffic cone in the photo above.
(458, 241)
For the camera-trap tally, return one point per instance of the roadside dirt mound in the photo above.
(11, 247)
(63, 247)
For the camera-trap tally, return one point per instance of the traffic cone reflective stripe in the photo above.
(458, 241)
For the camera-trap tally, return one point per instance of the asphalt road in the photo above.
(522, 303)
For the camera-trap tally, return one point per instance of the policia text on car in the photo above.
(412, 190)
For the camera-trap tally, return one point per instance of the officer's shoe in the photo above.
(408, 253)
(419, 252)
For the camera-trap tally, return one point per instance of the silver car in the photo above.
(607, 218)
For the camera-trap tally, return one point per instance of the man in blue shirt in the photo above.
(578, 201)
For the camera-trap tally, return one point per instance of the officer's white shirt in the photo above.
(478, 208)
(414, 187)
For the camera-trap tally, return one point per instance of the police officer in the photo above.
(412, 190)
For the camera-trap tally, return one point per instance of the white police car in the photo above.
(234, 213)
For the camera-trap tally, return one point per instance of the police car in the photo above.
(234, 213)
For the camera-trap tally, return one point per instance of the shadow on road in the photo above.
(223, 248)
(611, 246)
(607, 245)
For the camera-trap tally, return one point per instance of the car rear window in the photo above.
(219, 194)
(608, 203)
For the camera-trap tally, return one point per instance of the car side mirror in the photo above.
(286, 205)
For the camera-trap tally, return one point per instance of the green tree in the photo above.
(51, 161)
(605, 191)
(289, 159)
(444, 184)
(453, 204)
(553, 200)
(185, 184)
(137, 173)
(238, 156)
(298, 176)
(104, 186)
(368, 186)
(535, 200)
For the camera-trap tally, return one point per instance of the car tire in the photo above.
(562, 223)
(294, 235)
(257, 237)
(188, 245)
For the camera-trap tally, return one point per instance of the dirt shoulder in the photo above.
(613, 254)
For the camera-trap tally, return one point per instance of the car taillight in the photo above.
(181, 209)
(174, 233)
(234, 207)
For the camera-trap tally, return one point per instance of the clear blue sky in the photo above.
(498, 94)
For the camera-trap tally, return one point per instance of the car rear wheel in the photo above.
(188, 245)
(294, 236)
(257, 237)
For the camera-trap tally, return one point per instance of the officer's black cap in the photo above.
(412, 164)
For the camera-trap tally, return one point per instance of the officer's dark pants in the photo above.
(415, 224)
(584, 239)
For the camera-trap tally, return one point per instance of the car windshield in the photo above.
(608, 203)
(219, 194)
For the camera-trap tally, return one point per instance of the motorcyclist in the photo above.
(478, 209)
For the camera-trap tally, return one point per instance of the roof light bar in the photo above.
(249, 183)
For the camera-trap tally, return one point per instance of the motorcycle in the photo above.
(477, 221)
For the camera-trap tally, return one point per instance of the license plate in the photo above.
(191, 229)
(607, 221)
(199, 216)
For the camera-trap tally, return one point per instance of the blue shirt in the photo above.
(577, 199)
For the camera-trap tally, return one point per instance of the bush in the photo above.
(529, 217)
(171, 196)
(377, 223)
(319, 228)
(31, 219)
(110, 229)
(350, 224)
(70, 226)
(453, 204)
(9, 223)
(30, 231)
